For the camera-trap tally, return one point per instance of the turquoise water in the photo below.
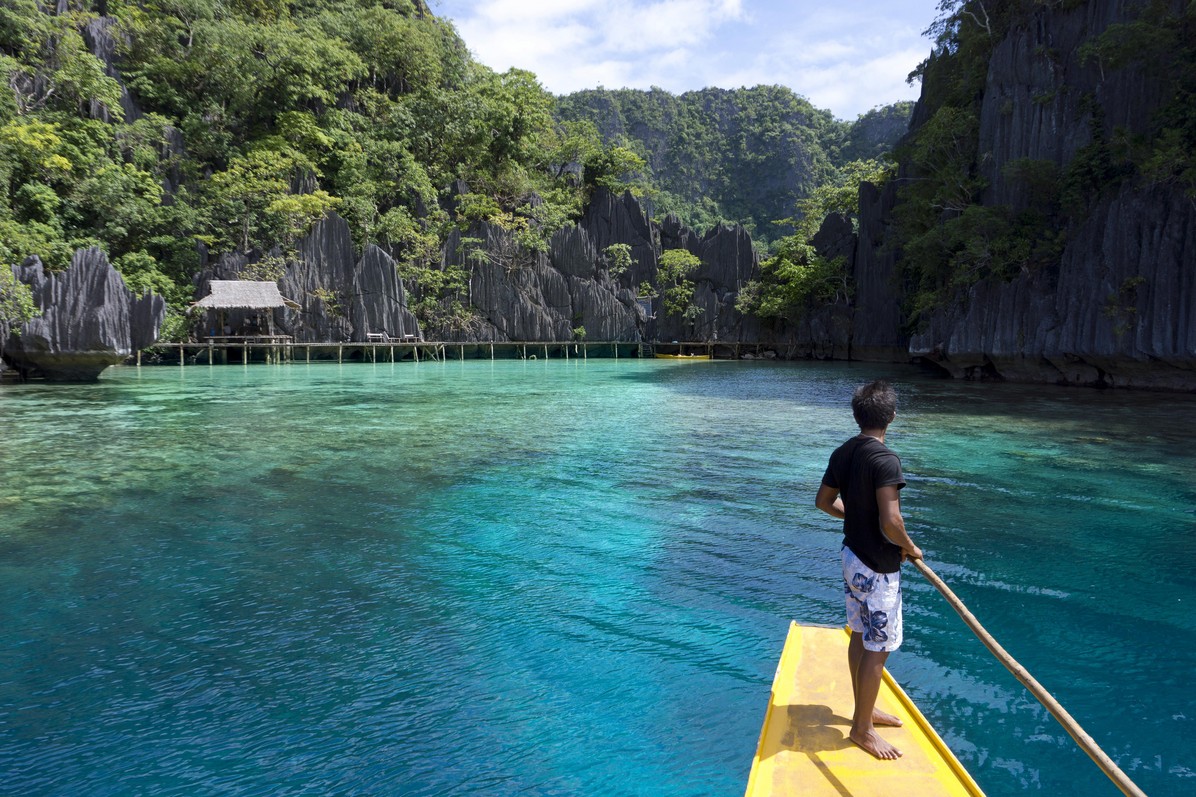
(561, 578)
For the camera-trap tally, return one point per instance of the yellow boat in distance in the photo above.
(804, 749)
(684, 357)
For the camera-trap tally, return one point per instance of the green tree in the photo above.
(676, 288)
(619, 260)
(252, 198)
(16, 302)
(575, 144)
(796, 278)
(118, 204)
(615, 168)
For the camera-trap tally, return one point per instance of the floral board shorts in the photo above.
(873, 603)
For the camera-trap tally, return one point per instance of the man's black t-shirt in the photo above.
(857, 469)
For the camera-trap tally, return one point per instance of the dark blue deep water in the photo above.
(562, 578)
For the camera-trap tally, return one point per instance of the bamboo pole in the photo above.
(1086, 742)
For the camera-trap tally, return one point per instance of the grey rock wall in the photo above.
(98, 33)
(343, 297)
(518, 295)
(611, 219)
(728, 261)
(877, 323)
(1039, 95)
(1117, 308)
(89, 320)
(1120, 313)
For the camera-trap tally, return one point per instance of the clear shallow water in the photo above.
(561, 578)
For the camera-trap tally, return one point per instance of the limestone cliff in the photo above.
(343, 296)
(544, 296)
(89, 320)
(514, 293)
(1115, 304)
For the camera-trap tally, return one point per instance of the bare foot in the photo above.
(871, 742)
(885, 718)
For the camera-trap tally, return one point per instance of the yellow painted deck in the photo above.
(804, 749)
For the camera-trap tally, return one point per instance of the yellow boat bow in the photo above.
(804, 749)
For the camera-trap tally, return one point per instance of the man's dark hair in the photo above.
(874, 405)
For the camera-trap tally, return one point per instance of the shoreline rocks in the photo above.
(89, 320)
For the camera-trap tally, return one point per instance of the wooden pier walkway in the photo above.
(279, 349)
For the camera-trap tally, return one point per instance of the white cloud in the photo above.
(847, 57)
(532, 11)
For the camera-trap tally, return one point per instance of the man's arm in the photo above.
(829, 501)
(888, 500)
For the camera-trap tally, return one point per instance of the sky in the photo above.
(846, 57)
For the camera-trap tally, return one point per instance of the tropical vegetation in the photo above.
(733, 156)
(219, 125)
(171, 132)
(951, 234)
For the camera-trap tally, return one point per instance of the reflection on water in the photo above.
(561, 577)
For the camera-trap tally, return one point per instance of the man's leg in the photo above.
(855, 653)
(867, 668)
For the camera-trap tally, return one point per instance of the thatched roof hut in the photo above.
(244, 295)
(260, 298)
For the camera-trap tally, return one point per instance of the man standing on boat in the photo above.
(862, 487)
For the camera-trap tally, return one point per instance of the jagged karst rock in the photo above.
(343, 297)
(519, 295)
(98, 33)
(1119, 307)
(611, 219)
(516, 295)
(877, 334)
(573, 252)
(836, 238)
(89, 320)
(1038, 98)
(1121, 312)
(728, 261)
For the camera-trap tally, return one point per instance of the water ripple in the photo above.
(574, 579)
